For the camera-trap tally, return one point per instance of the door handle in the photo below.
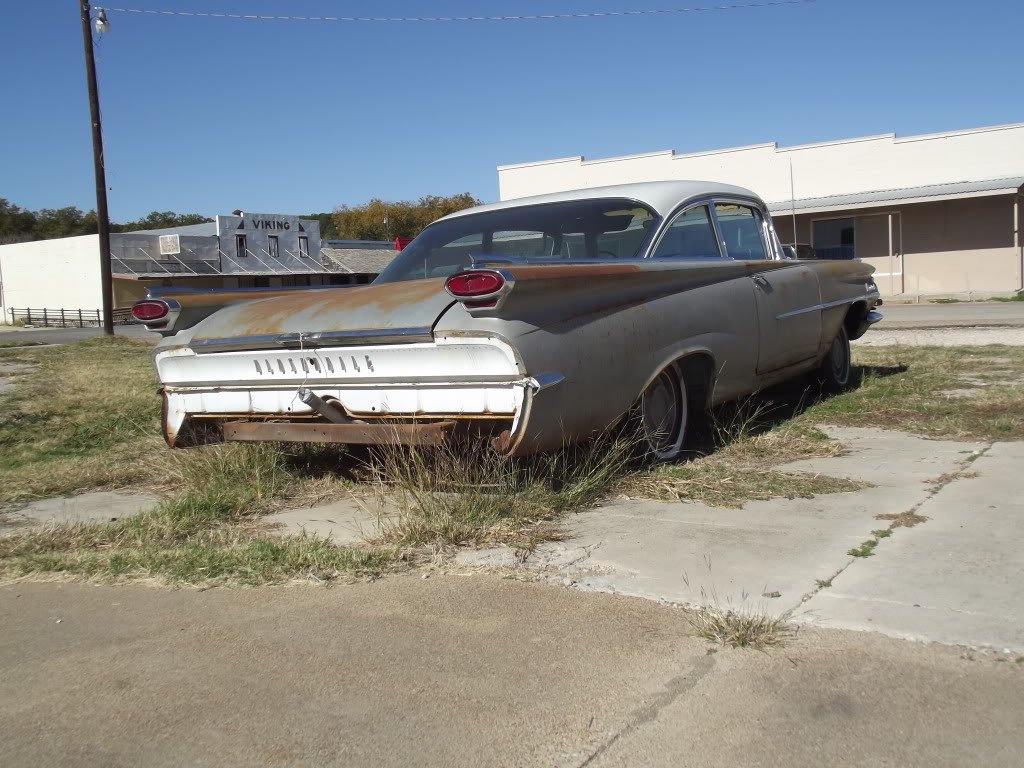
(760, 281)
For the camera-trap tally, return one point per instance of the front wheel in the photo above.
(663, 416)
(834, 372)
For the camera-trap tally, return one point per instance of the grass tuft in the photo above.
(742, 627)
(867, 549)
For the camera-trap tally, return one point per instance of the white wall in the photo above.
(51, 274)
(841, 167)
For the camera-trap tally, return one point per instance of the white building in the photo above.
(936, 214)
(246, 250)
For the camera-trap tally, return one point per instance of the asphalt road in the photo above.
(962, 315)
(467, 671)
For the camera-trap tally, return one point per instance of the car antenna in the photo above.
(792, 208)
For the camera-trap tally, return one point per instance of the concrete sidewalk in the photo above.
(951, 579)
(467, 671)
(954, 579)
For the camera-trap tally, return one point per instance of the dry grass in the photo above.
(902, 519)
(898, 388)
(738, 629)
(746, 442)
(744, 626)
(85, 417)
(209, 533)
(98, 427)
(451, 496)
(947, 477)
(724, 485)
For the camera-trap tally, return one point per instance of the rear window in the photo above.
(578, 229)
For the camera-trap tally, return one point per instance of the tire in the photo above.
(662, 417)
(834, 372)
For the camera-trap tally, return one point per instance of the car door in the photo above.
(787, 294)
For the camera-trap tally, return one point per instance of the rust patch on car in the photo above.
(223, 298)
(267, 317)
(573, 270)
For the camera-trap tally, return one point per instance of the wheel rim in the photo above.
(663, 414)
(839, 359)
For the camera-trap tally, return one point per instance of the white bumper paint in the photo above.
(451, 376)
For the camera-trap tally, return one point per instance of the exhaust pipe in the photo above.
(329, 411)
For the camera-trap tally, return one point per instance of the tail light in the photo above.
(475, 284)
(149, 310)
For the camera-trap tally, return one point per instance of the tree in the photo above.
(383, 220)
(16, 224)
(328, 227)
(62, 222)
(161, 220)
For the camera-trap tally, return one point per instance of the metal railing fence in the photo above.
(66, 318)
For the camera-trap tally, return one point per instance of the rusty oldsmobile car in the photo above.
(533, 323)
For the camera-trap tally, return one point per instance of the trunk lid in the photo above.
(386, 313)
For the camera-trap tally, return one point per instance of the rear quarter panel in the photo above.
(839, 282)
(609, 329)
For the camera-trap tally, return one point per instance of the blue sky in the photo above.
(208, 115)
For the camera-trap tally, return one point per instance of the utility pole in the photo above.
(102, 217)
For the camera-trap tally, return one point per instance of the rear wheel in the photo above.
(834, 371)
(663, 416)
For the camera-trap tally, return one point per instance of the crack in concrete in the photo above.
(673, 689)
(930, 494)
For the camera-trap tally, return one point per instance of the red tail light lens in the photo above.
(149, 310)
(474, 283)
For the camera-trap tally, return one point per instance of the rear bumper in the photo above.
(348, 434)
(868, 320)
(415, 394)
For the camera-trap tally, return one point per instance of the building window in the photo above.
(273, 248)
(304, 247)
(241, 249)
(834, 239)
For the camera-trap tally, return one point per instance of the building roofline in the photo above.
(772, 145)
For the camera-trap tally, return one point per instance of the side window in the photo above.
(691, 236)
(241, 249)
(273, 247)
(741, 230)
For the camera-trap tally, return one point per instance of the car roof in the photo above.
(661, 196)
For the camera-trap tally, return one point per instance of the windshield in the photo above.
(579, 229)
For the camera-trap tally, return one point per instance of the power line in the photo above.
(400, 19)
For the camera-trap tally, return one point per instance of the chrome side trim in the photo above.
(310, 340)
(546, 381)
(374, 382)
(827, 305)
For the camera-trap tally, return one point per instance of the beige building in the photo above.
(936, 214)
